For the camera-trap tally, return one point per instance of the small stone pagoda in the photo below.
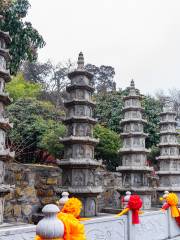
(135, 170)
(78, 164)
(169, 159)
(5, 153)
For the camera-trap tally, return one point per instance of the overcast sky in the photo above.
(139, 38)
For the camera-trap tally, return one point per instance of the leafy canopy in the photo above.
(20, 88)
(108, 146)
(109, 109)
(25, 39)
(34, 122)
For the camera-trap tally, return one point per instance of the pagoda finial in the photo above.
(80, 61)
(132, 84)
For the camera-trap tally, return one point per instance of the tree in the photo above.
(103, 77)
(108, 146)
(50, 139)
(109, 109)
(151, 114)
(19, 88)
(33, 122)
(109, 113)
(25, 39)
(52, 77)
(152, 155)
(37, 72)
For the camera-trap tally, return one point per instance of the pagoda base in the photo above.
(144, 193)
(90, 206)
(89, 202)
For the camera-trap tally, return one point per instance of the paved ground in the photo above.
(17, 231)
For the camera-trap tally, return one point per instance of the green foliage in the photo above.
(25, 39)
(33, 122)
(152, 110)
(108, 146)
(109, 113)
(109, 109)
(50, 139)
(20, 88)
(155, 152)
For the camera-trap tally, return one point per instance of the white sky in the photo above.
(139, 38)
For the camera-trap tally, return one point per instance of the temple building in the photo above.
(5, 153)
(169, 159)
(78, 164)
(134, 168)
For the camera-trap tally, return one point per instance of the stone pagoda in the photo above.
(5, 153)
(169, 159)
(78, 165)
(135, 170)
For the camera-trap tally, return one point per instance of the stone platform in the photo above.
(18, 231)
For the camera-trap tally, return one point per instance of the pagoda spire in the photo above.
(80, 61)
(132, 85)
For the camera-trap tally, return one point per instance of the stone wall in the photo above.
(35, 186)
(38, 185)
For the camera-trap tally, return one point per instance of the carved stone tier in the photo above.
(133, 150)
(80, 139)
(80, 119)
(82, 190)
(5, 39)
(141, 190)
(169, 144)
(130, 134)
(130, 120)
(175, 157)
(78, 165)
(4, 97)
(168, 132)
(5, 124)
(132, 97)
(80, 72)
(78, 86)
(79, 102)
(5, 53)
(169, 159)
(84, 163)
(5, 152)
(129, 108)
(135, 170)
(6, 155)
(5, 74)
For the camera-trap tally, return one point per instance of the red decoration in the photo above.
(165, 206)
(134, 204)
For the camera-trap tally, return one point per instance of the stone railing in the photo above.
(156, 225)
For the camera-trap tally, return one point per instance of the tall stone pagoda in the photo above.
(135, 170)
(78, 164)
(5, 153)
(169, 159)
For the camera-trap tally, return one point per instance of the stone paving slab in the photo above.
(17, 232)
